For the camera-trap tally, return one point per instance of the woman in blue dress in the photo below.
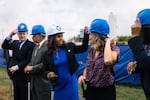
(60, 62)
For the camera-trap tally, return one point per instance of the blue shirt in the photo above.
(67, 85)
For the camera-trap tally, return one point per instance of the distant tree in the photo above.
(123, 40)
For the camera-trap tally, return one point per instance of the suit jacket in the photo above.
(20, 57)
(6, 55)
(37, 81)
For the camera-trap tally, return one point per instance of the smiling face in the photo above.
(96, 42)
(92, 39)
(36, 38)
(22, 35)
(59, 39)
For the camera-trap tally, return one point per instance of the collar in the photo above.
(40, 44)
(22, 42)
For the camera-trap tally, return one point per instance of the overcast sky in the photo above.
(72, 15)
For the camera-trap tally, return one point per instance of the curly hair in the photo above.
(52, 43)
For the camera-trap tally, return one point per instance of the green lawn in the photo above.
(124, 92)
(4, 84)
(129, 92)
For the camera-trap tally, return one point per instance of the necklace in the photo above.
(57, 56)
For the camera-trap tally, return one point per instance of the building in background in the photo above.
(113, 24)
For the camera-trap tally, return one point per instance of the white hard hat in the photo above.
(54, 29)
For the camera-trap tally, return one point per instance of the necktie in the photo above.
(19, 44)
(36, 49)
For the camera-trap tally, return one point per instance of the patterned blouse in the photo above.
(99, 74)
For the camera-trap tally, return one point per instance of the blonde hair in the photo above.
(99, 43)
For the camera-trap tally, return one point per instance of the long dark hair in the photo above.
(145, 34)
(52, 43)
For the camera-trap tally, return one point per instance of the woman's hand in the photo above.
(131, 67)
(111, 41)
(86, 30)
(81, 79)
(136, 28)
(51, 75)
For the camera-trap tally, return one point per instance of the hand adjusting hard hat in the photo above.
(38, 29)
(54, 29)
(99, 26)
(22, 27)
(144, 16)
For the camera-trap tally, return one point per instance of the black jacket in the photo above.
(139, 53)
(71, 49)
(143, 62)
(20, 57)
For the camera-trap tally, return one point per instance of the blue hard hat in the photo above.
(99, 26)
(144, 16)
(22, 27)
(38, 29)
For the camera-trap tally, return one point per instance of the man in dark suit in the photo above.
(40, 87)
(22, 50)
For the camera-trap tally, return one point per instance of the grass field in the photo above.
(124, 92)
(4, 84)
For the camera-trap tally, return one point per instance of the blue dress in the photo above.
(67, 85)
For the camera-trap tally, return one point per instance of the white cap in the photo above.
(54, 29)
